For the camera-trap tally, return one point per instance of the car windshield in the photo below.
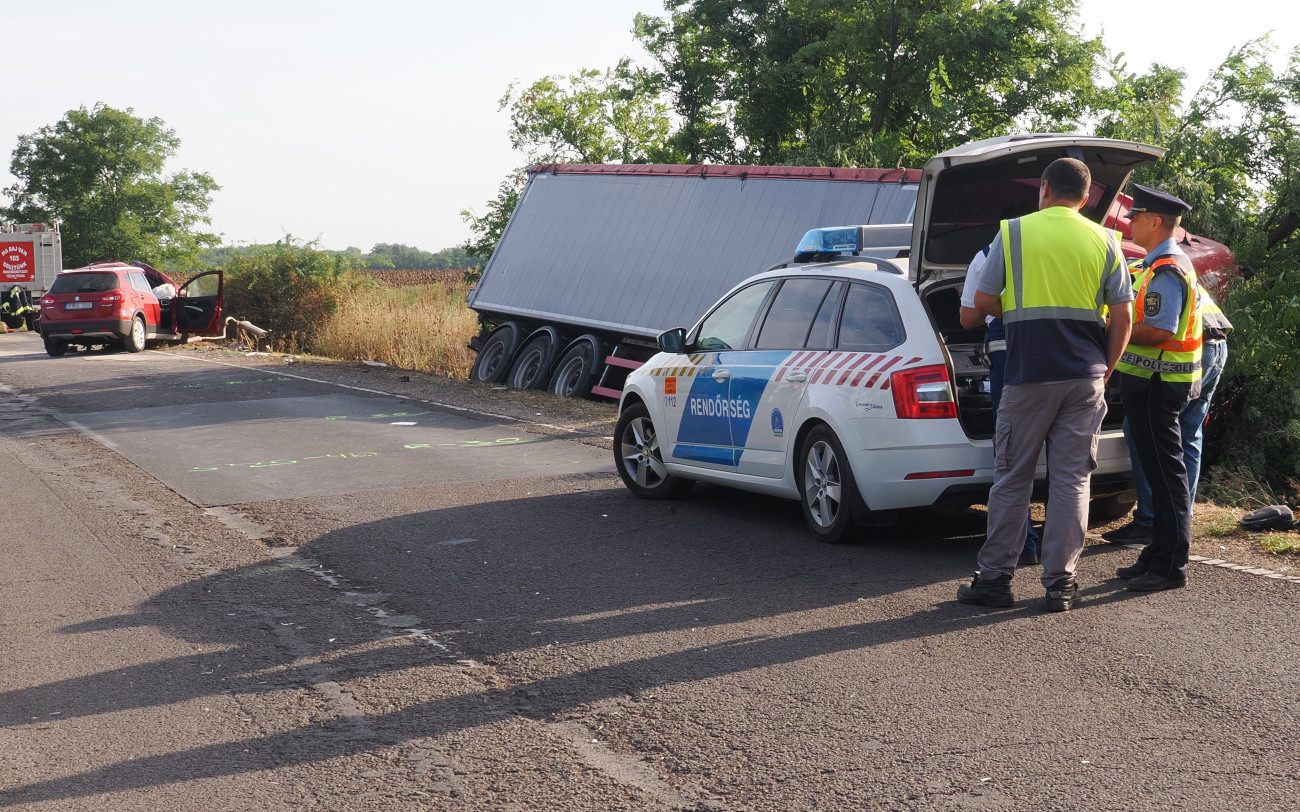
(84, 283)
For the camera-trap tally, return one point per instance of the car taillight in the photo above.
(47, 301)
(108, 298)
(923, 392)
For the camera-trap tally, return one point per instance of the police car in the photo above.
(845, 380)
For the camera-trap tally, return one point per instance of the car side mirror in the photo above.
(673, 340)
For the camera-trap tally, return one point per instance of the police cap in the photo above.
(1156, 202)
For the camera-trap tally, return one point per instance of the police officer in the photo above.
(1048, 276)
(1215, 328)
(1159, 372)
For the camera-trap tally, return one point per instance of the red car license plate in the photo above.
(78, 305)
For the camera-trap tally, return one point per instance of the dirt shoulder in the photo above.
(1215, 534)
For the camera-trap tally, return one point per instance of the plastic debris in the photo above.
(374, 363)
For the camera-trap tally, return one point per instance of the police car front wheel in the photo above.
(826, 486)
(639, 459)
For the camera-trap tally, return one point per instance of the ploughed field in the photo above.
(407, 278)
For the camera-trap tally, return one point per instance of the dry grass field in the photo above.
(414, 320)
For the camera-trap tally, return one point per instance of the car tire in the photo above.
(493, 359)
(55, 348)
(135, 340)
(575, 373)
(826, 486)
(532, 365)
(638, 458)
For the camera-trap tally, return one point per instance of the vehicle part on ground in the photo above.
(532, 365)
(1109, 508)
(575, 373)
(639, 459)
(135, 340)
(826, 482)
(493, 361)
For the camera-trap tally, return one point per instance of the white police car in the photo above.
(846, 381)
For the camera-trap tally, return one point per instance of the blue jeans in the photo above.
(1191, 421)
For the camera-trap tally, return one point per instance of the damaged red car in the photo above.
(128, 304)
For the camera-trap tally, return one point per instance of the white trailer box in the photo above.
(31, 255)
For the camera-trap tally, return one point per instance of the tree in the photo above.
(589, 117)
(99, 172)
(870, 82)
(1234, 154)
(1232, 145)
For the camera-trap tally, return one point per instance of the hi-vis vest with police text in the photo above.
(1058, 263)
(1178, 360)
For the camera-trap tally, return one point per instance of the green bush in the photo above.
(1262, 434)
(291, 290)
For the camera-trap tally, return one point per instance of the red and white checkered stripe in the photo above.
(843, 368)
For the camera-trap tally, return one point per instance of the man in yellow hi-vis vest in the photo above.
(1049, 276)
(1159, 372)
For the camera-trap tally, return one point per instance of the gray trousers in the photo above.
(1067, 415)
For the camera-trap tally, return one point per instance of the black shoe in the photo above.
(987, 592)
(1131, 533)
(1129, 573)
(1062, 595)
(1027, 559)
(1150, 582)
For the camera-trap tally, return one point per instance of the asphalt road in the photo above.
(238, 587)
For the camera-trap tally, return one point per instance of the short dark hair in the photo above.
(1069, 178)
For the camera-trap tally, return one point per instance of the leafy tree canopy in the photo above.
(867, 83)
(99, 173)
(615, 116)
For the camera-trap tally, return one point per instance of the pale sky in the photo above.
(359, 123)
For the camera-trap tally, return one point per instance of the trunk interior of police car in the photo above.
(969, 363)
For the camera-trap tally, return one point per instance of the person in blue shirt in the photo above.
(995, 350)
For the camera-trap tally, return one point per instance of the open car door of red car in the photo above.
(198, 305)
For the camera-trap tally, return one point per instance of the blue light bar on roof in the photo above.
(840, 239)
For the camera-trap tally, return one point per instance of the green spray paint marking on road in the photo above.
(354, 455)
(376, 416)
(473, 443)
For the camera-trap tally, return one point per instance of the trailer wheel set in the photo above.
(541, 358)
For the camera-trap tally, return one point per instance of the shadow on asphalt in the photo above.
(515, 576)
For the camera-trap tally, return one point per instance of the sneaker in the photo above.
(1150, 582)
(1062, 595)
(1131, 533)
(987, 592)
(1129, 573)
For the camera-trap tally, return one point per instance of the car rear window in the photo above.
(84, 283)
(871, 322)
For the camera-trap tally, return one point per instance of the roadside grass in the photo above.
(1217, 525)
(1280, 543)
(422, 327)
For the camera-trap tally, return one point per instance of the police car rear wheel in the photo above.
(825, 484)
(638, 458)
